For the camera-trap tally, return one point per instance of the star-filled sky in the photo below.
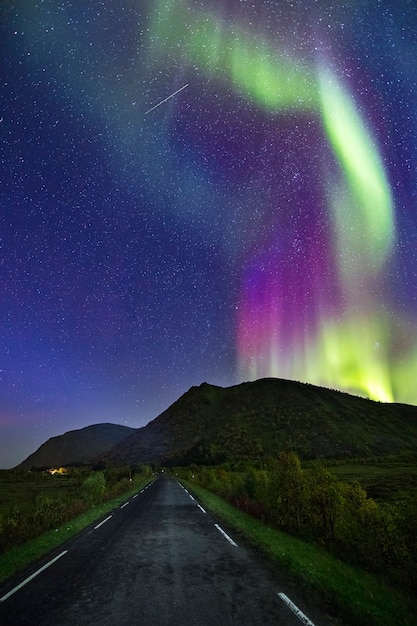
(262, 221)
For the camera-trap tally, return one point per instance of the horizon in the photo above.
(351, 393)
(258, 223)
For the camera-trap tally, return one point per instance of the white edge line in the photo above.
(191, 496)
(136, 495)
(227, 537)
(296, 610)
(103, 522)
(32, 576)
(200, 507)
(125, 504)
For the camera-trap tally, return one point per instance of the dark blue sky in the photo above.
(226, 235)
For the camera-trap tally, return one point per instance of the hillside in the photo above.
(76, 446)
(210, 424)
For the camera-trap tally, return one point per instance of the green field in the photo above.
(20, 489)
(387, 481)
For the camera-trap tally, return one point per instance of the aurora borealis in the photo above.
(260, 222)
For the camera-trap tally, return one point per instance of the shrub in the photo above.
(47, 512)
(92, 489)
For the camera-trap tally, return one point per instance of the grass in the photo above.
(358, 595)
(20, 490)
(385, 482)
(20, 557)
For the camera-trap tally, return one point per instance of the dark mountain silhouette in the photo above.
(210, 424)
(76, 446)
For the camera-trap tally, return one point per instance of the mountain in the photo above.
(76, 446)
(210, 424)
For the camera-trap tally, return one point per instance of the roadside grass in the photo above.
(359, 596)
(20, 557)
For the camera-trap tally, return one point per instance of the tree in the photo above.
(286, 493)
(324, 500)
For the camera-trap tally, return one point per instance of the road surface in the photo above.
(160, 559)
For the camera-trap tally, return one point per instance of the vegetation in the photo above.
(34, 502)
(386, 479)
(313, 504)
(19, 557)
(361, 598)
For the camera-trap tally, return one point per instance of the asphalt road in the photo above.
(158, 560)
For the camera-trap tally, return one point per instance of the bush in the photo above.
(92, 489)
(47, 512)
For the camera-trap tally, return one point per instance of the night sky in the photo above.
(260, 222)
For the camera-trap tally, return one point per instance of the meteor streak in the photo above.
(162, 101)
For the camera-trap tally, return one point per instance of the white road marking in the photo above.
(303, 618)
(125, 504)
(191, 496)
(32, 576)
(136, 495)
(103, 522)
(225, 535)
(200, 507)
(162, 101)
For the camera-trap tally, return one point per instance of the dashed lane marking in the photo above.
(226, 536)
(125, 504)
(303, 618)
(103, 522)
(200, 507)
(32, 576)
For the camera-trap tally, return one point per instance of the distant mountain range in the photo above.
(76, 446)
(254, 420)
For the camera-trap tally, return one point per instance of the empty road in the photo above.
(159, 559)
